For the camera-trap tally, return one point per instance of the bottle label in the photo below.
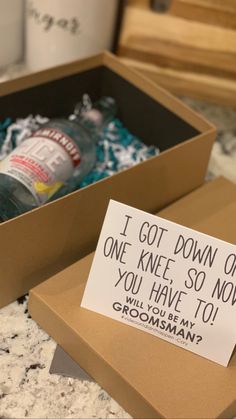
(43, 162)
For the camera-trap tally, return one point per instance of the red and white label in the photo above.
(43, 162)
(63, 140)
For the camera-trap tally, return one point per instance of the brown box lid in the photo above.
(148, 376)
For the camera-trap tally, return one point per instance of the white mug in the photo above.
(58, 31)
(11, 31)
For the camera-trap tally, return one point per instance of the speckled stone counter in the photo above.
(27, 389)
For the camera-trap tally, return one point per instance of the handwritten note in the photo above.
(167, 280)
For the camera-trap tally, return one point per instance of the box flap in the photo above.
(148, 376)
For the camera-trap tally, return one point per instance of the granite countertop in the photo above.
(27, 389)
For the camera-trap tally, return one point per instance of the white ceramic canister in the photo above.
(58, 31)
(11, 32)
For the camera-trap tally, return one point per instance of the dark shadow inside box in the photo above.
(142, 115)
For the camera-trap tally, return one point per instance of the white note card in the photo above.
(167, 280)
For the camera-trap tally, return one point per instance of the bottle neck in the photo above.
(94, 118)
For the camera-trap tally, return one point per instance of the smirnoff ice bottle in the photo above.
(37, 169)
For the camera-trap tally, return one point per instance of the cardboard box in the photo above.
(148, 376)
(38, 244)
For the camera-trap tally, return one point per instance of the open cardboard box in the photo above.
(148, 376)
(40, 243)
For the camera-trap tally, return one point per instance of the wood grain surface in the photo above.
(212, 12)
(191, 54)
(199, 86)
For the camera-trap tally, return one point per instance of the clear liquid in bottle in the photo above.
(42, 166)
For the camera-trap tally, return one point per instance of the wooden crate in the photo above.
(190, 49)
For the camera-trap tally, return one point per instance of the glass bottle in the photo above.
(43, 164)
